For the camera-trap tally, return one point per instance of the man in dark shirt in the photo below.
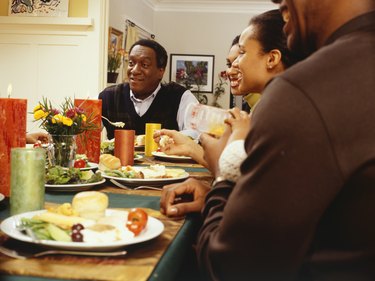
(144, 99)
(304, 207)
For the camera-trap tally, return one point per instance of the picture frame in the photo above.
(114, 39)
(195, 72)
(39, 8)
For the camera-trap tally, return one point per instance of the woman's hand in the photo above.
(179, 144)
(32, 138)
(172, 202)
(239, 123)
(213, 148)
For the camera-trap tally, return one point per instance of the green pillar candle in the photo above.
(27, 180)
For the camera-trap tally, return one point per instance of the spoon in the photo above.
(116, 124)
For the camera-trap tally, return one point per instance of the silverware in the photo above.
(116, 124)
(135, 188)
(19, 255)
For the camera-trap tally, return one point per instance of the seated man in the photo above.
(144, 99)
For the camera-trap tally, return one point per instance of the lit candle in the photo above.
(89, 143)
(12, 134)
(9, 91)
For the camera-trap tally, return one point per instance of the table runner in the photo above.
(138, 264)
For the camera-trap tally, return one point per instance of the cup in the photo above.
(206, 119)
(124, 146)
(27, 179)
(150, 144)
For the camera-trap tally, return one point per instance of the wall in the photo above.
(54, 57)
(203, 34)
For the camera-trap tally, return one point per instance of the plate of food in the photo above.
(105, 234)
(73, 187)
(153, 175)
(161, 155)
(71, 179)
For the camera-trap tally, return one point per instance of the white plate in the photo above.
(2, 197)
(150, 182)
(72, 187)
(153, 229)
(91, 166)
(162, 155)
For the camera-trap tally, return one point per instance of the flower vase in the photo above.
(112, 77)
(64, 150)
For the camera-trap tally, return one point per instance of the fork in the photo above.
(135, 188)
(23, 256)
(116, 124)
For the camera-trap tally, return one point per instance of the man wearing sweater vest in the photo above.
(145, 99)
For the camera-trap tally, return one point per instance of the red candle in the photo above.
(12, 134)
(89, 142)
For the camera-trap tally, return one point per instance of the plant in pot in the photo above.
(114, 63)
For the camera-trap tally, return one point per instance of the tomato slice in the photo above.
(138, 215)
(80, 163)
(134, 227)
(137, 220)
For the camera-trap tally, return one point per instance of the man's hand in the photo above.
(173, 194)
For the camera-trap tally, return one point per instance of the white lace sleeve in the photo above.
(231, 160)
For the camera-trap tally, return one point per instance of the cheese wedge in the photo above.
(65, 222)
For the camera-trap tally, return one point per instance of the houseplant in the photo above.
(114, 62)
(219, 87)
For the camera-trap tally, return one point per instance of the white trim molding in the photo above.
(213, 6)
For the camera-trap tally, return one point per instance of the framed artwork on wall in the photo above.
(40, 8)
(115, 54)
(195, 72)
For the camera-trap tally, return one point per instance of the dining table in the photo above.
(169, 256)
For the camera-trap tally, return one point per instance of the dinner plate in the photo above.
(91, 166)
(153, 229)
(162, 155)
(72, 187)
(2, 197)
(147, 182)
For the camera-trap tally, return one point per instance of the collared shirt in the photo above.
(141, 107)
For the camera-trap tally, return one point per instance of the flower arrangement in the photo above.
(115, 59)
(219, 87)
(68, 120)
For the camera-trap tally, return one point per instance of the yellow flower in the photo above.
(67, 121)
(40, 114)
(38, 107)
(84, 118)
(58, 118)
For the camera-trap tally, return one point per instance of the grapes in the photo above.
(77, 237)
(76, 233)
(78, 227)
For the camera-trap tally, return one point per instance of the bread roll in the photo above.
(140, 140)
(90, 204)
(109, 162)
(164, 140)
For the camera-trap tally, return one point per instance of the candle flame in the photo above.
(10, 88)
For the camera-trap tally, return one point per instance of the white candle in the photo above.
(10, 88)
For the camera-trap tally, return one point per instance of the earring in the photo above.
(269, 66)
